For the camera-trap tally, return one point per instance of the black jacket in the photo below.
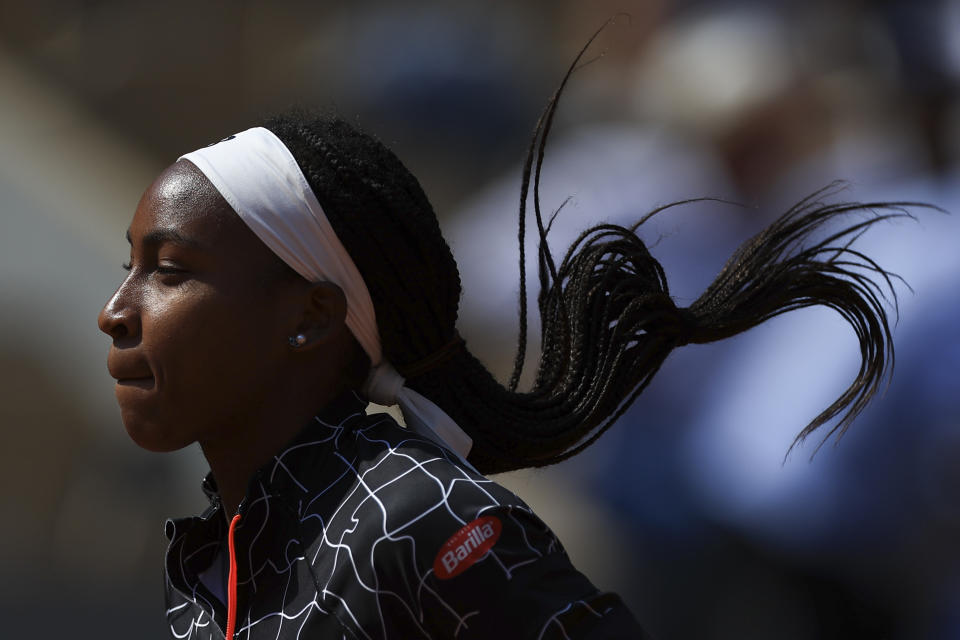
(360, 529)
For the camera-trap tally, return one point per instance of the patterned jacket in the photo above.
(360, 529)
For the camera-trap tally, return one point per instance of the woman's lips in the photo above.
(130, 369)
(141, 383)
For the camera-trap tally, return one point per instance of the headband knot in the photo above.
(383, 384)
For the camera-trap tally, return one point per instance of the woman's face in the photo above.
(200, 323)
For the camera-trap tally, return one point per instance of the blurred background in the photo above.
(687, 507)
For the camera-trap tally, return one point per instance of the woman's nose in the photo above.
(119, 318)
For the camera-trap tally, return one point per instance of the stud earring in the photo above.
(298, 340)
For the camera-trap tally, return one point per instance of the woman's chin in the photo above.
(152, 436)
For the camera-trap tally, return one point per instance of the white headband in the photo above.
(260, 179)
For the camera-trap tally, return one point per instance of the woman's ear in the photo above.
(324, 316)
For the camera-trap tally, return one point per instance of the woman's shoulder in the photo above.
(370, 466)
(381, 485)
(416, 475)
(401, 527)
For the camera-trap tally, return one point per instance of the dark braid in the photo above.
(608, 321)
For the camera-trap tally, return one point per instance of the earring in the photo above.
(298, 340)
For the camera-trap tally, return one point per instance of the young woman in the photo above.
(283, 277)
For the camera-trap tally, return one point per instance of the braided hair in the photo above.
(608, 320)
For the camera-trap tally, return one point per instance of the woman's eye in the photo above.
(126, 266)
(170, 272)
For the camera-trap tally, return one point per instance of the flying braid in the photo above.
(608, 320)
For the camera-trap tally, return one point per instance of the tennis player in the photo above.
(281, 279)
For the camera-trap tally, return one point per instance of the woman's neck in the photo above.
(236, 457)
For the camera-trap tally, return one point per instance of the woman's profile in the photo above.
(282, 278)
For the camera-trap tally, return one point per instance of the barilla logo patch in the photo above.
(466, 546)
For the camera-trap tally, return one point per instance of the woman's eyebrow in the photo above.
(160, 236)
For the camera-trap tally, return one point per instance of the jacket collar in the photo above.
(274, 497)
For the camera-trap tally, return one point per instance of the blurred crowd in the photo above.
(688, 506)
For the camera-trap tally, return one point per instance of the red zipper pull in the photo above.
(232, 581)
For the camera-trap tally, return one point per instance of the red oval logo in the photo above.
(466, 546)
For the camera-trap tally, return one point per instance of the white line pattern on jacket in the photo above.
(338, 537)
